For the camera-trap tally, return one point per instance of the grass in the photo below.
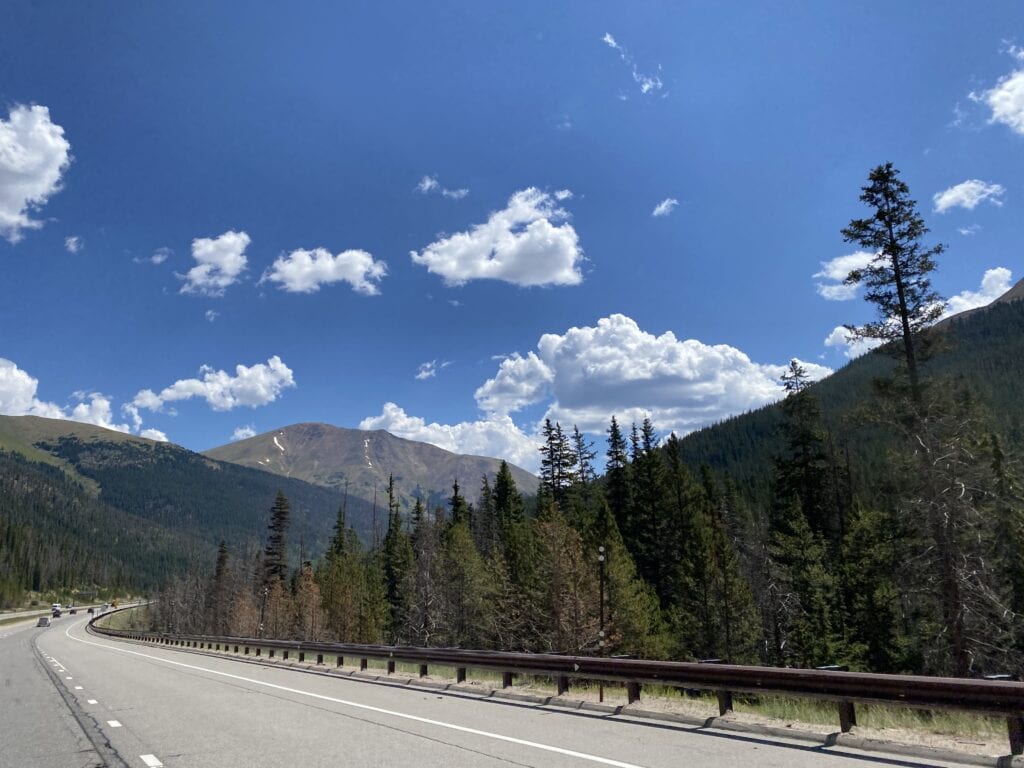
(137, 617)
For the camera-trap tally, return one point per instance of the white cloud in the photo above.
(520, 381)
(251, 386)
(665, 207)
(211, 315)
(18, 398)
(304, 271)
(851, 346)
(527, 243)
(220, 262)
(73, 244)
(243, 432)
(430, 184)
(586, 375)
(836, 270)
(1006, 98)
(494, 436)
(648, 83)
(968, 194)
(33, 156)
(994, 284)
(429, 369)
(969, 230)
(18, 394)
(154, 434)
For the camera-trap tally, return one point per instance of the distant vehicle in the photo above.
(91, 611)
(105, 607)
(44, 621)
(55, 613)
(73, 611)
(55, 607)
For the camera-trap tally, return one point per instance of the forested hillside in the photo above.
(55, 535)
(984, 349)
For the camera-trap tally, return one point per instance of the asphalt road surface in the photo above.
(68, 698)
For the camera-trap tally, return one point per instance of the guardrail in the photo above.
(1001, 698)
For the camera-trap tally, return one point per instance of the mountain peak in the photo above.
(361, 461)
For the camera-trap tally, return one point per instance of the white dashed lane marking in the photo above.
(113, 723)
(90, 701)
(78, 687)
(151, 761)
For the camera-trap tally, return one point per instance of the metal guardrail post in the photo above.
(363, 664)
(1015, 730)
(270, 653)
(724, 702)
(391, 666)
(246, 650)
(302, 656)
(284, 655)
(632, 692)
(319, 658)
(460, 674)
(423, 670)
(340, 661)
(506, 679)
(847, 716)
(562, 683)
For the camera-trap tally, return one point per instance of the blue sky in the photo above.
(450, 220)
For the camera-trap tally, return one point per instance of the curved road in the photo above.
(69, 698)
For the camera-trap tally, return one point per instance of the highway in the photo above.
(69, 698)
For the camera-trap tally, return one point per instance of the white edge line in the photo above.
(368, 708)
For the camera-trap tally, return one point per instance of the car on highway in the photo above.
(73, 611)
(44, 621)
(55, 613)
(91, 611)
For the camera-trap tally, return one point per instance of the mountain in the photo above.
(983, 347)
(361, 461)
(178, 489)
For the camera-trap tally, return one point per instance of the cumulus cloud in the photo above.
(243, 433)
(211, 315)
(494, 436)
(1006, 98)
(994, 283)
(220, 262)
(251, 386)
(429, 369)
(73, 244)
(665, 207)
(529, 242)
(304, 271)
(968, 194)
(842, 338)
(836, 271)
(520, 381)
(430, 184)
(154, 434)
(969, 230)
(587, 374)
(18, 397)
(648, 84)
(33, 157)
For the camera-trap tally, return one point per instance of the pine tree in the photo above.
(275, 559)
(460, 512)
(897, 280)
(618, 489)
(398, 565)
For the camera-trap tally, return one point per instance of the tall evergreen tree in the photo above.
(618, 489)
(897, 280)
(275, 557)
